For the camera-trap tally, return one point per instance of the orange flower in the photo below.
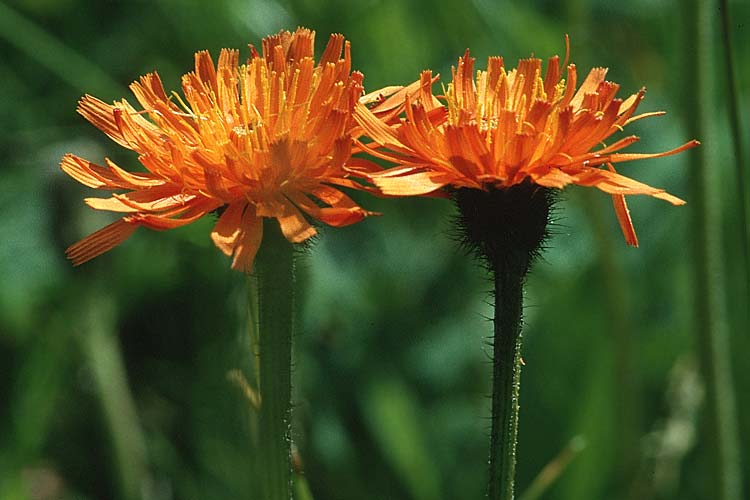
(266, 139)
(504, 127)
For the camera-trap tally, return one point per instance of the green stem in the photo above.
(736, 128)
(506, 379)
(505, 228)
(275, 275)
(721, 432)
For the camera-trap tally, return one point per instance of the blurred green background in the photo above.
(114, 375)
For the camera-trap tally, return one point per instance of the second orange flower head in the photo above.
(265, 139)
(502, 128)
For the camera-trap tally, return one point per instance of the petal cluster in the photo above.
(268, 138)
(497, 128)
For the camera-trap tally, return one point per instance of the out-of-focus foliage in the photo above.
(114, 375)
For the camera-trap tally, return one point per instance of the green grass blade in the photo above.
(67, 64)
(721, 429)
(735, 126)
(104, 357)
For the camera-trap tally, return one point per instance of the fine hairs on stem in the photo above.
(275, 278)
(505, 228)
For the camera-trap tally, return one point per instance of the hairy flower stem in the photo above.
(275, 275)
(505, 228)
(506, 381)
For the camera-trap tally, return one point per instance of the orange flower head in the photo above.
(269, 138)
(501, 128)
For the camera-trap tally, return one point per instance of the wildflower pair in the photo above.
(274, 138)
(280, 136)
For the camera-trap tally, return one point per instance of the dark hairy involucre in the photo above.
(504, 226)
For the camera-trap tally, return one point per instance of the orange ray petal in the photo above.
(589, 85)
(88, 173)
(99, 242)
(341, 217)
(332, 52)
(614, 183)
(399, 171)
(336, 216)
(629, 106)
(398, 158)
(249, 240)
(228, 228)
(413, 184)
(644, 115)
(621, 157)
(376, 129)
(110, 177)
(621, 144)
(174, 218)
(293, 224)
(553, 178)
(669, 198)
(380, 94)
(163, 223)
(333, 197)
(130, 180)
(149, 92)
(204, 68)
(111, 204)
(395, 102)
(623, 216)
(570, 86)
(101, 115)
(350, 183)
(156, 199)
